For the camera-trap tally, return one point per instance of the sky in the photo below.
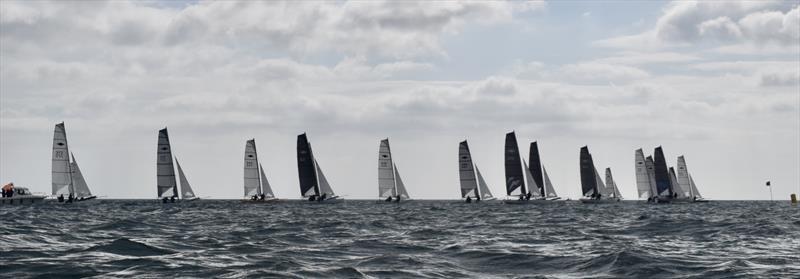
(715, 81)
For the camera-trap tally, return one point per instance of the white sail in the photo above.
(484, 189)
(642, 178)
(61, 169)
(267, 189)
(532, 187)
(673, 179)
(324, 187)
(252, 185)
(651, 175)
(601, 186)
(401, 188)
(695, 193)
(611, 185)
(683, 177)
(165, 172)
(549, 191)
(386, 179)
(80, 186)
(466, 172)
(186, 189)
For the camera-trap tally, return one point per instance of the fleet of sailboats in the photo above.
(68, 183)
(473, 186)
(256, 185)
(658, 183)
(390, 185)
(166, 184)
(313, 184)
(592, 186)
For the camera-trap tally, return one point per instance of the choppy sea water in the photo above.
(417, 239)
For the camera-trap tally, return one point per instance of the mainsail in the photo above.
(386, 177)
(80, 186)
(683, 177)
(466, 171)
(536, 170)
(267, 189)
(642, 177)
(549, 190)
(165, 171)
(484, 189)
(186, 189)
(611, 185)
(588, 173)
(663, 186)
(324, 186)
(306, 167)
(252, 185)
(401, 188)
(61, 169)
(513, 165)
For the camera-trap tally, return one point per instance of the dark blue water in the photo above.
(419, 239)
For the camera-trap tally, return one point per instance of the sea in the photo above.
(413, 239)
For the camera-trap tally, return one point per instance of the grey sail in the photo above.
(534, 189)
(61, 169)
(611, 185)
(550, 192)
(324, 186)
(166, 184)
(642, 177)
(484, 189)
(695, 193)
(186, 189)
(466, 171)
(80, 186)
(252, 185)
(386, 179)
(306, 168)
(673, 179)
(683, 177)
(513, 166)
(401, 188)
(267, 189)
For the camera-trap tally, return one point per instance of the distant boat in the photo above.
(15, 195)
(611, 185)
(664, 188)
(686, 182)
(544, 188)
(166, 184)
(592, 186)
(390, 185)
(642, 167)
(515, 179)
(68, 183)
(313, 184)
(256, 185)
(473, 186)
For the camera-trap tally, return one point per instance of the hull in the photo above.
(20, 200)
(334, 199)
(268, 200)
(531, 201)
(596, 201)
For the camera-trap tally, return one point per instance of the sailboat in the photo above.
(390, 185)
(611, 186)
(68, 183)
(643, 168)
(663, 181)
(256, 185)
(313, 184)
(516, 175)
(545, 190)
(592, 186)
(473, 186)
(686, 182)
(166, 184)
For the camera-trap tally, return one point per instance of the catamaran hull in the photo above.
(531, 201)
(22, 200)
(596, 201)
(335, 199)
(269, 200)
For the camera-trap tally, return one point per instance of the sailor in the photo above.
(322, 198)
(61, 198)
(521, 196)
(528, 196)
(389, 199)
(263, 197)
(397, 199)
(599, 196)
(469, 200)
(312, 198)
(164, 200)
(172, 199)
(254, 197)
(71, 198)
(477, 198)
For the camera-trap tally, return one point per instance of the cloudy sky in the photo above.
(718, 82)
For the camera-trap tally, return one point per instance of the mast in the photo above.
(306, 167)
(588, 174)
(513, 165)
(165, 171)
(61, 173)
(466, 171)
(536, 168)
(252, 185)
(386, 176)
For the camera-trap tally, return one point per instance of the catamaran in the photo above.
(611, 186)
(473, 186)
(592, 186)
(390, 186)
(166, 184)
(686, 182)
(68, 183)
(313, 184)
(544, 188)
(516, 175)
(256, 185)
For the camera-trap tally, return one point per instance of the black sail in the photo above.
(535, 166)
(165, 171)
(588, 177)
(514, 177)
(305, 167)
(662, 172)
